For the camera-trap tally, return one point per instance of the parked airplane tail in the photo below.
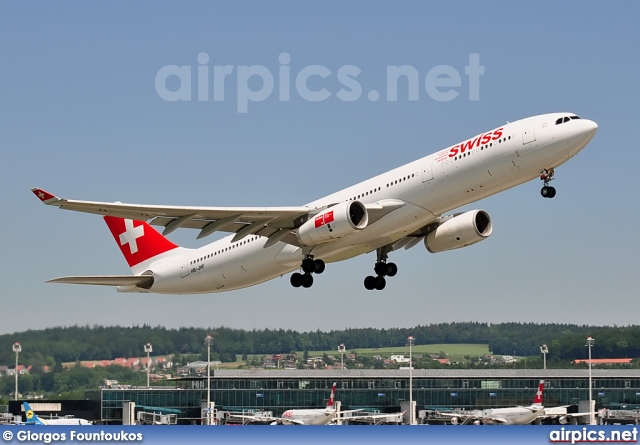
(138, 241)
(32, 418)
(537, 400)
(332, 397)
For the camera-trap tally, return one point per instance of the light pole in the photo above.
(341, 349)
(17, 349)
(544, 350)
(590, 341)
(208, 339)
(411, 340)
(148, 349)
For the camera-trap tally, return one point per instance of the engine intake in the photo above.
(459, 231)
(335, 222)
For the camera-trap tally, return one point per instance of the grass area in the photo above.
(455, 352)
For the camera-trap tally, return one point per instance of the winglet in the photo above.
(44, 196)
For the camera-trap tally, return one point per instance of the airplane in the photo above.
(313, 416)
(33, 419)
(394, 210)
(518, 415)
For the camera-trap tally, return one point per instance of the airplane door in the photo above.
(427, 171)
(528, 133)
(184, 269)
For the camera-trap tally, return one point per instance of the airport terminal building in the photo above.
(381, 390)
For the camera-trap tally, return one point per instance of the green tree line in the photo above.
(69, 344)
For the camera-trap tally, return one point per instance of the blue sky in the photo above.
(81, 117)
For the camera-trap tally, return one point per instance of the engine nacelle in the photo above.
(339, 221)
(459, 231)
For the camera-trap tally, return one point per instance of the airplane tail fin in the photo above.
(32, 418)
(138, 241)
(538, 399)
(332, 397)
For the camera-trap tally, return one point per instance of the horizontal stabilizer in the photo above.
(143, 281)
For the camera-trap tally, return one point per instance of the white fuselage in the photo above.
(429, 187)
(309, 416)
(510, 416)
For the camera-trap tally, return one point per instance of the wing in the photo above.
(143, 281)
(272, 222)
(275, 223)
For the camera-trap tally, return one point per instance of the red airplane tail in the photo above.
(537, 400)
(138, 241)
(332, 397)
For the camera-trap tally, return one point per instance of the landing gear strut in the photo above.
(382, 269)
(546, 176)
(309, 266)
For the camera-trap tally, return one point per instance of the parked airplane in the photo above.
(518, 415)
(314, 416)
(393, 210)
(33, 419)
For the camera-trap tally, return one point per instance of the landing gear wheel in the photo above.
(380, 283)
(548, 192)
(392, 269)
(307, 280)
(318, 266)
(545, 192)
(370, 283)
(296, 279)
(380, 268)
(552, 192)
(308, 265)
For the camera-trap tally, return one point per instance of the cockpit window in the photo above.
(562, 120)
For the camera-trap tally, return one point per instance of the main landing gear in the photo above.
(382, 269)
(309, 266)
(547, 191)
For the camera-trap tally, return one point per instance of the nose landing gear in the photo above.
(546, 176)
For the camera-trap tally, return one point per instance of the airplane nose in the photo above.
(592, 127)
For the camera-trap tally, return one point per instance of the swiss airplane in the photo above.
(394, 210)
(517, 415)
(312, 416)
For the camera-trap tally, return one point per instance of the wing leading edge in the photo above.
(244, 221)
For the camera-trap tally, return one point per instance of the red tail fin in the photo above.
(138, 241)
(332, 396)
(537, 400)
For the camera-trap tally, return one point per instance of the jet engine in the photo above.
(562, 420)
(459, 231)
(335, 222)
